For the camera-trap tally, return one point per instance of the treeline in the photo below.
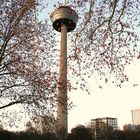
(83, 133)
(6, 135)
(78, 133)
(124, 135)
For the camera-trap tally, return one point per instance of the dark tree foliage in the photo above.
(77, 133)
(6, 135)
(80, 133)
(122, 135)
(105, 41)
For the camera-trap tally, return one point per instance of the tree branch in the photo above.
(113, 12)
(10, 104)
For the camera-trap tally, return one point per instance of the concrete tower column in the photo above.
(64, 20)
(62, 117)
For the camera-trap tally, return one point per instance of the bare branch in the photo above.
(113, 11)
(10, 104)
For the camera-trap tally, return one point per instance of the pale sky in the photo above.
(109, 101)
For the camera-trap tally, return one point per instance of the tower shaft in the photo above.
(62, 115)
(64, 20)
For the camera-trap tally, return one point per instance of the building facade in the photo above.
(129, 127)
(102, 126)
(135, 116)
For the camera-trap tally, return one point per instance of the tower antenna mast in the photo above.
(64, 2)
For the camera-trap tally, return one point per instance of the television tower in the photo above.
(64, 20)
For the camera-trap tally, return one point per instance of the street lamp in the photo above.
(64, 20)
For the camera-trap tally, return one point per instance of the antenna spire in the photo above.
(64, 2)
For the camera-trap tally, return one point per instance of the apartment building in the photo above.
(101, 126)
